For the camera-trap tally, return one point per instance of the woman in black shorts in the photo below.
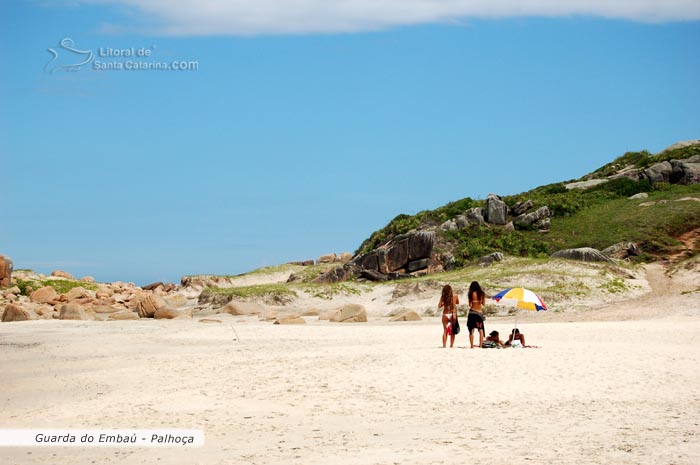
(475, 320)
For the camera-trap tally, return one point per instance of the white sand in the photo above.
(623, 392)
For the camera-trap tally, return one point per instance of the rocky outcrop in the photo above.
(496, 210)
(660, 172)
(350, 313)
(585, 254)
(405, 253)
(622, 250)
(302, 263)
(686, 171)
(5, 271)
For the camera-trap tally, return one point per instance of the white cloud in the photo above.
(259, 17)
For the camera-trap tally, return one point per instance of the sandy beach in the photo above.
(622, 392)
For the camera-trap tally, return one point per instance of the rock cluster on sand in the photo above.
(89, 301)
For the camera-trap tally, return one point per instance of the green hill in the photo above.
(598, 216)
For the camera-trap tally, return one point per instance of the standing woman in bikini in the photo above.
(448, 302)
(475, 320)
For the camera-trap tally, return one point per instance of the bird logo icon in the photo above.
(67, 48)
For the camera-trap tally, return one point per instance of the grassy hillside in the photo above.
(597, 217)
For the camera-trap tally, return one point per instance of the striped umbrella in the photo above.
(519, 297)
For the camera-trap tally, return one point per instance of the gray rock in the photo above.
(685, 172)
(521, 207)
(416, 265)
(544, 224)
(475, 216)
(660, 172)
(641, 195)
(462, 222)
(449, 225)
(585, 254)
(373, 275)
(490, 259)
(509, 227)
(622, 250)
(585, 184)
(496, 210)
(533, 217)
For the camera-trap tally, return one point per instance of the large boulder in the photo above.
(43, 295)
(474, 216)
(407, 315)
(660, 172)
(686, 171)
(350, 313)
(72, 312)
(15, 312)
(5, 271)
(147, 305)
(584, 254)
(345, 257)
(496, 210)
(394, 256)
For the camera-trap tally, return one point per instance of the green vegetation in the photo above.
(60, 285)
(470, 244)
(644, 159)
(328, 291)
(404, 223)
(261, 290)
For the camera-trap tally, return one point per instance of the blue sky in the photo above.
(296, 138)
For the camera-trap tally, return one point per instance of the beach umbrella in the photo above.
(521, 298)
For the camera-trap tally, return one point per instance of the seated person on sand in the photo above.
(515, 334)
(492, 340)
